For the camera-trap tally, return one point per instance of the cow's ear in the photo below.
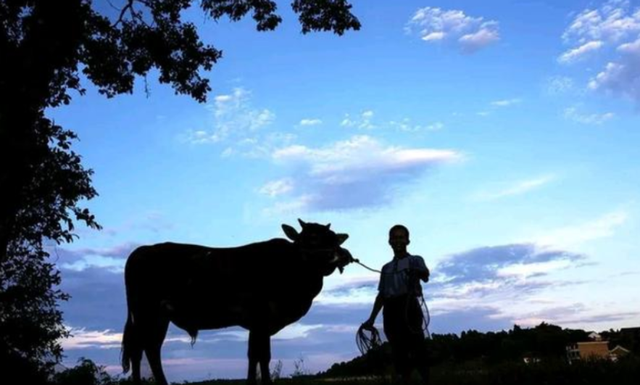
(290, 232)
(342, 238)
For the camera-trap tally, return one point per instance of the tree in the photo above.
(45, 45)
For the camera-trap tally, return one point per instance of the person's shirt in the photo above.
(395, 279)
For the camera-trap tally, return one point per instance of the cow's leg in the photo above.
(155, 330)
(259, 353)
(265, 358)
(252, 354)
(136, 360)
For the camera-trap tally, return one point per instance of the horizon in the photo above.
(503, 135)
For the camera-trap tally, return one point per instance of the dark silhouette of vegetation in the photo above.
(46, 47)
(545, 342)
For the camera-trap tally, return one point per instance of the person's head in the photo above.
(399, 239)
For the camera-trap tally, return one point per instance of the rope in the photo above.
(367, 338)
(366, 267)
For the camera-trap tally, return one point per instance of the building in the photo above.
(595, 350)
(588, 350)
(618, 352)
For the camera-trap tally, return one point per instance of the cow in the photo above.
(261, 287)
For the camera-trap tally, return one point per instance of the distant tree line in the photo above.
(544, 342)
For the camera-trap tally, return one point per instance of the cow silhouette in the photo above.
(261, 287)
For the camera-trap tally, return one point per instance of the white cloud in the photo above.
(363, 121)
(470, 33)
(407, 125)
(310, 122)
(277, 187)
(572, 113)
(235, 119)
(505, 102)
(578, 53)
(518, 188)
(473, 42)
(613, 22)
(614, 28)
(557, 85)
(83, 339)
(621, 78)
(359, 172)
(575, 235)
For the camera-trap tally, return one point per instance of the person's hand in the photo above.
(368, 324)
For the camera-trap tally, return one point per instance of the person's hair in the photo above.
(399, 227)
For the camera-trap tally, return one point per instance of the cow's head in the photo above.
(320, 246)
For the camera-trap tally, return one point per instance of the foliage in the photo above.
(85, 373)
(543, 341)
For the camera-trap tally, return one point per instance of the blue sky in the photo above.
(504, 134)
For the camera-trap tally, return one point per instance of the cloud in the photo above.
(506, 102)
(572, 113)
(614, 21)
(407, 126)
(356, 173)
(578, 53)
(621, 78)
(83, 339)
(517, 188)
(614, 28)
(438, 25)
(81, 258)
(277, 187)
(557, 85)
(572, 236)
(486, 264)
(240, 127)
(362, 122)
(310, 122)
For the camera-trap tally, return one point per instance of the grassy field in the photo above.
(624, 372)
(548, 373)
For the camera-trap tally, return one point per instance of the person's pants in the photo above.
(403, 321)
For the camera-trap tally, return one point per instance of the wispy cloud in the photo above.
(557, 85)
(517, 188)
(578, 53)
(437, 25)
(362, 121)
(506, 102)
(239, 128)
(277, 187)
(573, 114)
(406, 125)
(310, 122)
(356, 173)
(235, 118)
(82, 339)
(571, 236)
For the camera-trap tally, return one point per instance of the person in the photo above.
(399, 290)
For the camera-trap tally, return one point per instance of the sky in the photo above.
(503, 134)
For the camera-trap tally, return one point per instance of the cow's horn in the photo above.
(328, 226)
(302, 224)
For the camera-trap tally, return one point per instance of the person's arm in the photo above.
(377, 306)
(419, 269)
(424, 274)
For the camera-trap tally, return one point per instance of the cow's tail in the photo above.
(128, 344)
